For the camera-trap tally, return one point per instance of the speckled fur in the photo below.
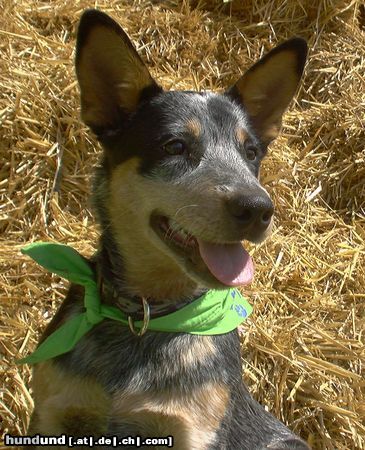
(187, 386)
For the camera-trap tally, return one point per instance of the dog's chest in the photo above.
(161, 384)
(192, 418)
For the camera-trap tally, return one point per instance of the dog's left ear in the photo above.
(112, 76)
(267, 88)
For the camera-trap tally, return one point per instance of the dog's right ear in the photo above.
(112, 76)
(267, 88)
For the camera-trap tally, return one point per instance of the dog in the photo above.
(176, 193)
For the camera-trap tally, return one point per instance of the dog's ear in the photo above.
(267, 88)
(112, 76)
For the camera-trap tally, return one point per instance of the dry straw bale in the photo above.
(303, 347)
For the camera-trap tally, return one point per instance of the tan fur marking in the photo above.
(201, 349)
(241, 135)
(63, 400)
(192, 419)
(194, 127)
(147, 267)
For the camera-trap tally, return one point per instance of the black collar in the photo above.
(113, 292)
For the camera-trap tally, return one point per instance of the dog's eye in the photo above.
(175, 147)
(251, 151)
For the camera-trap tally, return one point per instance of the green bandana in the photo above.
(216, 312)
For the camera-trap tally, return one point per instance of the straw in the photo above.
(303, 349)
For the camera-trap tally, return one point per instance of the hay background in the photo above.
(304, 346)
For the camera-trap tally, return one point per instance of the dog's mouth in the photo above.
(229, 263)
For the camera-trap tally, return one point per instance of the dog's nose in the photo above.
(252, 210)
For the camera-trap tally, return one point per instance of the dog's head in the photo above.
(181, 168)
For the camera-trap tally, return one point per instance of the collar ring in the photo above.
(146, 320)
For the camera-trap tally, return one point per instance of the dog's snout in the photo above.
(251, 210)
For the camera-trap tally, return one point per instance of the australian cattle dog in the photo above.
(176, 195)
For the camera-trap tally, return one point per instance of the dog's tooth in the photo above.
(176, 228)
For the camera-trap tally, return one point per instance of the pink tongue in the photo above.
(229, 263)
